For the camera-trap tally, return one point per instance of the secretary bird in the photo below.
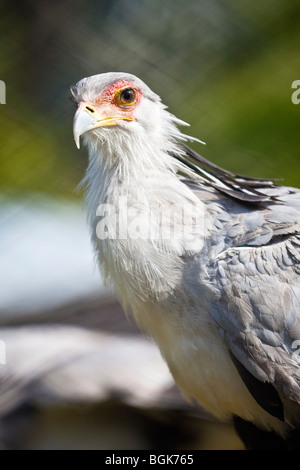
(206, 260)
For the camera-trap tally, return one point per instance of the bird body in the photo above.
(207, 261)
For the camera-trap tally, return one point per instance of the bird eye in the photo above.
(126, 97)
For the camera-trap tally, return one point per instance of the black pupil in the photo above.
(128, 95)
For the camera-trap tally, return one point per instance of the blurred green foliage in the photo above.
(226, 68)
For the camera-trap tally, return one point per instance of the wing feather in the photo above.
(259, 314)
(253, 261)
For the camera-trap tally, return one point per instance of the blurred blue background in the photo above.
(227, 68)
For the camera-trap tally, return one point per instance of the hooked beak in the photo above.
(88, 118)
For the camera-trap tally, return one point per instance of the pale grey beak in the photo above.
(88, 118)
(83, 122)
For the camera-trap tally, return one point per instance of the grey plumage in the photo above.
(257, 276)
(222, 298)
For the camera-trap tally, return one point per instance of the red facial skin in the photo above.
(108, 99)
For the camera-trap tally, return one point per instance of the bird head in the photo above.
(119, 116)
(115, 101)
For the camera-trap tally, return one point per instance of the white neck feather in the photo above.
(138, 176)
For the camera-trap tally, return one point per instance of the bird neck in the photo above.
(132, 168)
(143, 219)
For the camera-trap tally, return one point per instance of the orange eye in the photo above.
(126, 97)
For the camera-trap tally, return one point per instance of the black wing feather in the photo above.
(240, 187)
(263, 392)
